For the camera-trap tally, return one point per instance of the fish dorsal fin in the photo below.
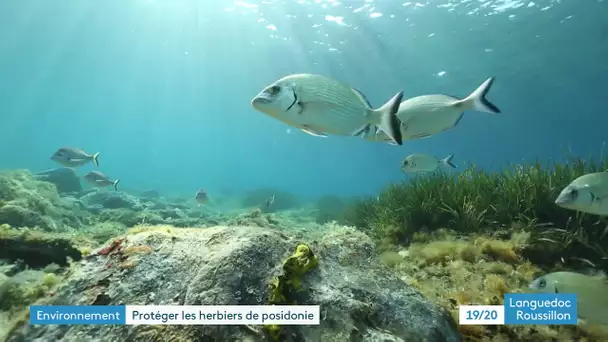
(363, 98)
(313, 132)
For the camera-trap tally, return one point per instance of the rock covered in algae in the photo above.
(111, 200)
(28, 202)
(36, 248)
(65, 179)
(360, 299)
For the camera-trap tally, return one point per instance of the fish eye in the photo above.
(574, 193)
(274, 90)
(405, 163)
(542, 283)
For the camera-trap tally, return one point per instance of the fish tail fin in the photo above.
(116, 184)
(95, 159)
(448, 161)
(388, 121)
(477, 100)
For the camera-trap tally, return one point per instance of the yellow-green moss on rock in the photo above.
(289, 282)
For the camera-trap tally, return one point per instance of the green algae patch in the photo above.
(454, 270)
(17, 293)
(283, 287)
(36, 248)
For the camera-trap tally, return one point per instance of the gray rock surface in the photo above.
(360, 299)
(111, 200)
(65, 179)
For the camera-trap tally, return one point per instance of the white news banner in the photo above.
(223, 314)
(481, 315)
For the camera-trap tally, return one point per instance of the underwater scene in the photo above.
(389, 161)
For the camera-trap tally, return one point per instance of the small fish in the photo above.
(591, 293)
(201, 197)
(425, 163)
(318, 105)
(69, 156)
(269, 201)
(98, 179)
(426, 115)
(587, 193)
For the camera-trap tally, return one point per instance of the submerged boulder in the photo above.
(28, 202)
(360, 299)
(111, 200)
(36, 248)
(65, 179)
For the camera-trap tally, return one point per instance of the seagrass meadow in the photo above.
(478, 202)
(470, 237)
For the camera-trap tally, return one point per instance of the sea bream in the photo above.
(100, 180)
(591, 293)
(427, 115)
(319, 106)
(425, 163)
(587, 193)
(201, 197)
(70, 157)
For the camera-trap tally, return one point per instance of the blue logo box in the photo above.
(77, 314)
(541, 308)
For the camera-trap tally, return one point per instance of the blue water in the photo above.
(163, 88)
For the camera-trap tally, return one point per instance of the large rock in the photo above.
(65, 179)
(36, 248)
(111, 200)
(360, 299)
(28, 202)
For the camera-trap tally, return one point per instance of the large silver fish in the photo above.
(70, 157)
(319, 105)
(591, 293)
(98, 179)
(427, 115)
(587, 193)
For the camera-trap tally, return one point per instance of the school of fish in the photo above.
(321, 106)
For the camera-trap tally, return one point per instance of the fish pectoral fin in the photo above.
(421, 135)
(313, 132)
(361, 132)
